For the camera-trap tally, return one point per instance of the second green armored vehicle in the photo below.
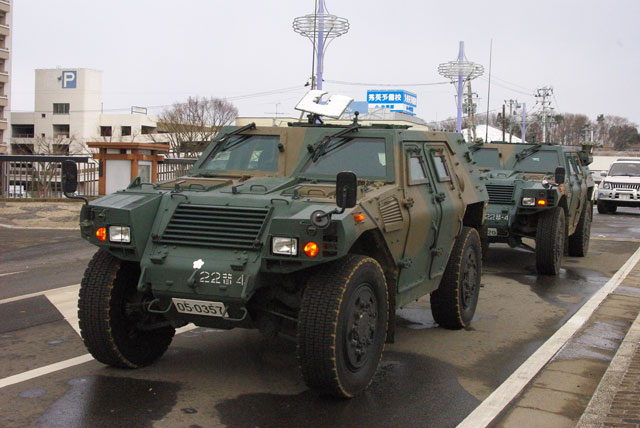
(275, 253)
(538, 191)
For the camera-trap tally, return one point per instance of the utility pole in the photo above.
(470, 107)
(544, 93)
(512, 104)
(503, 122)
(524, 122)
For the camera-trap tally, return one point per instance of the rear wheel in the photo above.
(579, 241)
(550, 241)
(454, 303)
(115, 326)
(342, 326)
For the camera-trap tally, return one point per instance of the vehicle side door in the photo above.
(448, 198)
(424, 217)
(577, 189)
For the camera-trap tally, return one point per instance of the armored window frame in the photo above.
(442, 169)
(422, 167)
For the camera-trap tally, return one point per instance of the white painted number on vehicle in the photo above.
(497, 216)
(220, 278)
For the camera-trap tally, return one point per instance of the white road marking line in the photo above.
(66, 302)
(496, 402)
(55, 367)
(39, 293)
(11, 273)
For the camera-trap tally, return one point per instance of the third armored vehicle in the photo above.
(539, 191)
(274, 253)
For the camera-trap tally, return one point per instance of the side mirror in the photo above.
(69, 176)
(603, 174)
(346, 189)
(560, 175)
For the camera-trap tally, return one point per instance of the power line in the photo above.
(341, 82)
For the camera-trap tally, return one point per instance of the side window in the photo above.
(572, 168)
(578, 165)
(442, 168)
(417, 173)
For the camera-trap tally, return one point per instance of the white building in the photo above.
(68, 113)
(5, 69)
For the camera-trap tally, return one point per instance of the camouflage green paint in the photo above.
(410, 223)
(509, 180)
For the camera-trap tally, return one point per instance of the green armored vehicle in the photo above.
(224, 248)
(539, 191)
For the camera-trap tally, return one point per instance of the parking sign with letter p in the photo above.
(69, 79)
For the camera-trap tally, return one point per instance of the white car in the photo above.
(620, 187)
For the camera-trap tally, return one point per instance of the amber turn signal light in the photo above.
(311, 249)
(542, 203)
(359, 218)
(101, 234)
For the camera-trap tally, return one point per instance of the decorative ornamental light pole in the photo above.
(321, 28)
(459, 72)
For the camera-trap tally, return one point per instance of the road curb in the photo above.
(11, 226)
(599, 405)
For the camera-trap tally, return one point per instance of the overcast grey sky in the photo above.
(154, 53)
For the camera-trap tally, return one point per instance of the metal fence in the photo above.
(35, 176)
(174, 168)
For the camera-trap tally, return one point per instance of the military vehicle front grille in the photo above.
(500, 194)
(391, 214)
(215, 226)
(625, 186)
(551, 198)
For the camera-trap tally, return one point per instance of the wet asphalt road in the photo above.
(429, 377)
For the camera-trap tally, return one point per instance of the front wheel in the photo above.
(342, 326)
(454, 303)
(114, 324)
(550, 240)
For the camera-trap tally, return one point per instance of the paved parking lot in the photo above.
(429, 377)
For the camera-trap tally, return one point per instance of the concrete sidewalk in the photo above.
(45, 215)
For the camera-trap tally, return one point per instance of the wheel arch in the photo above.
(372, 244)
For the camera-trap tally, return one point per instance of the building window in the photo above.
(22, 149)
(22, 131)
(147, 129)
(61, 131)
(60, 108)
(125, 130)
(105, 131)
(60, 149)
(44, 115)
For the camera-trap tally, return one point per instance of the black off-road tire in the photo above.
(606, 207)
(579, 241)
(454, 303)
(342, 326)
(108, 330)
(550, 241)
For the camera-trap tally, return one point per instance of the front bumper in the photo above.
(620, 197)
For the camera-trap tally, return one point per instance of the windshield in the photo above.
(245, 153)
(487, 158)
(540, 162)
(629, 169)
(366, 157)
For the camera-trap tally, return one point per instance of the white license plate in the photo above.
(492, 231)
(623, 196)
(200, 307)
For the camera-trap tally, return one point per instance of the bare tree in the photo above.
(43, 174)
(189, 126)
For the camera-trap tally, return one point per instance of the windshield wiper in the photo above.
(226, 137)
(528, 152)
(475, 147)
(318, 150)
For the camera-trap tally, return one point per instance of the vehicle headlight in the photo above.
(284, 246)
(528, 202)
(606, 185)
(120, 234)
